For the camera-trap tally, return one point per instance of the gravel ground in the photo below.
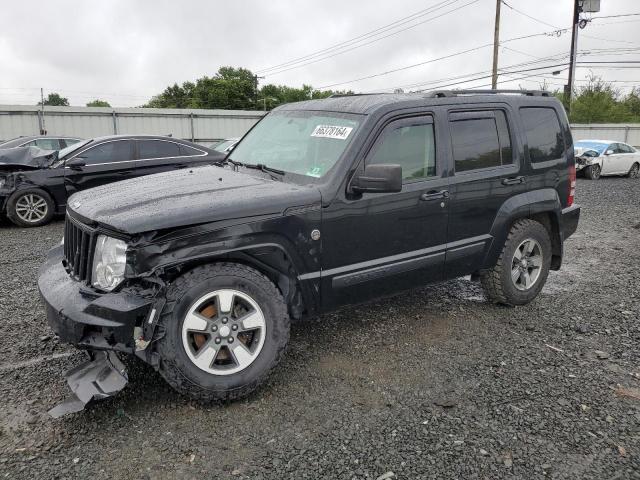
(431, 384)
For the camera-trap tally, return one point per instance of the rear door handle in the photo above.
(513, 180)
(433, 195)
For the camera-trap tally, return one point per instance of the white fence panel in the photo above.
(619, 132)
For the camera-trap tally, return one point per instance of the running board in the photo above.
(101, 377)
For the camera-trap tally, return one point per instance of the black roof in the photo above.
(368, 103)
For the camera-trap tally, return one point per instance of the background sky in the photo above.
(125, 51)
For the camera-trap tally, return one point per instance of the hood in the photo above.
(187, 197)
(26, 158)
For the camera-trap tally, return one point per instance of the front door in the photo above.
(106, 162)
(381, 243)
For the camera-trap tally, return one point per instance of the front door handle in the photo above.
(434, 195)
(513, 180)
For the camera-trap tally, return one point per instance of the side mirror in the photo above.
(382, 178)
(609, 152)
(76, 164)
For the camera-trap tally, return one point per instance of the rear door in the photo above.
(486, 172)
(106, 162)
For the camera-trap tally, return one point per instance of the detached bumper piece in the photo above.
(101, 377)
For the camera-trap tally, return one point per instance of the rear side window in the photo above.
(544, 135)
(157, 149)
(480, 140)
(117, 151)
(187, 151)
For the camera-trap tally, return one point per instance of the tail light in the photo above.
(572, 185)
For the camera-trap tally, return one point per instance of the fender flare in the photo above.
(523, 205)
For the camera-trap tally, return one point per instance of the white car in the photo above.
(604, 157)
(227, 145)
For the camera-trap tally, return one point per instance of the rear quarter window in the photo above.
(543, 132)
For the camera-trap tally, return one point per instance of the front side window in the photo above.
(116, 151)
(302, 142)
(157, 149)
(480, 139)
(412, 146)
(543, 132)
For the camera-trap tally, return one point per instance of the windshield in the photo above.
(586, 145)
(301, 142)
(71, 148)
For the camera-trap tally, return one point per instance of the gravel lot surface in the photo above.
(435, 383)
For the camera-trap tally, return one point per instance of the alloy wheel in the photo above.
(223, 332)
(633, 173)
(31, 208)
(526, 264)
(595, 171)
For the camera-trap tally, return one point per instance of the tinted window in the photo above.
(158, 149)
(48, 143)
(117, 151)
(188, 151)
(544, 134)
(411, 146)
(476, 144)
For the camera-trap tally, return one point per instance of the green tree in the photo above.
(98, 103)
(598, 102)
(55, 100)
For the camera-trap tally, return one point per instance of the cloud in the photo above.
(126, 51)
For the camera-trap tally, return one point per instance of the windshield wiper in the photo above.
(266, 169)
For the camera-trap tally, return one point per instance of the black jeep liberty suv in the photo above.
(323, 203)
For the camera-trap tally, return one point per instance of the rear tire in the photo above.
(519, 275)
(593, 172)
(31, 207)
(634, 172)
(198, 346)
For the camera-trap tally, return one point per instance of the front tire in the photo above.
(523, 266)
(31, 207)
(593, 172)
(634, 172)
(225, 327)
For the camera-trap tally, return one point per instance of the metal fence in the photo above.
(191, 124)
(620, 132)
(87, 122)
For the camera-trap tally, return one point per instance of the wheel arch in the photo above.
(543, 206)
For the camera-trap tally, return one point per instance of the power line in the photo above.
(374, 32)
(370, 42)
(440, 58)
(616, 16)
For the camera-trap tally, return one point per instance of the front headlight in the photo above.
(109, 261)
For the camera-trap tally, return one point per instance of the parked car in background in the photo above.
(41, 141)
(227, 145)
(35, 184)
(604, 157)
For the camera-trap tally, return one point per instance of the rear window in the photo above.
(544, 135)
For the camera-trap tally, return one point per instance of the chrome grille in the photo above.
(79, 244)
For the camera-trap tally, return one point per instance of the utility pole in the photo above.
(568, 91)
(43, 130)
(255, 90)
(496, 46)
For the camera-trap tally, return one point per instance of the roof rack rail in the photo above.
(454, 93)
(340, 95)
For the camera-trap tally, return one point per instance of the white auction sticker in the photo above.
(328, 131)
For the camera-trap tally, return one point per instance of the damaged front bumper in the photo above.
(109, 322)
